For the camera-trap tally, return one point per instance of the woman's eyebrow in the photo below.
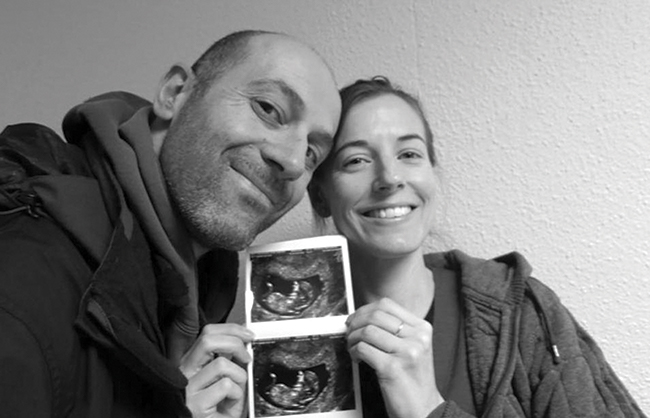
(364, 143)
(408, 137)
(357, 143)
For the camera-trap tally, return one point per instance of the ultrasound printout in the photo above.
(298, 296)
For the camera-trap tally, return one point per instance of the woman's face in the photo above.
(379, 182)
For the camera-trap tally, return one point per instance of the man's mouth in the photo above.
(292, 389)
(388, 213)
(261, 185)
(285, 296)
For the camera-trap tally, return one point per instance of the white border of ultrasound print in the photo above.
(302, 327)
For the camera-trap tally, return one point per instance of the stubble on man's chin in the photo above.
(227, 237)
(216, 232)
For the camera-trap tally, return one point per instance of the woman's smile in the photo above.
(389, 213)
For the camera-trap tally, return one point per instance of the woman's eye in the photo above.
(410, 155)
(354, 162)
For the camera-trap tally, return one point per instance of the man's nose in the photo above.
(286, 156)
(387, 179)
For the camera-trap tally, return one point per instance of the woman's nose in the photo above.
(388, 179)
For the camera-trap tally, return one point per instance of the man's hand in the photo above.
(215, 369)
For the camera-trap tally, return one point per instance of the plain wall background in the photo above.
(541, 113)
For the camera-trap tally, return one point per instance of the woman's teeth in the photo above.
(389, 212)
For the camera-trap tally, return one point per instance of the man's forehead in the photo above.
(295, 70)
(281, 57)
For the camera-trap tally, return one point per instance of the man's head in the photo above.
(242, 133)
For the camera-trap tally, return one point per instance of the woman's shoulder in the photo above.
(501, 279)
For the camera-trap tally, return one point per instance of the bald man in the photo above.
(118, 258)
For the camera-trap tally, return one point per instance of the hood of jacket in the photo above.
(494, 292)
(117, 126)
(501, 280)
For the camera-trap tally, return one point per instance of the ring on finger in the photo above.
(399, 329)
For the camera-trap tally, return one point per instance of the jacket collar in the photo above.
(498, 281)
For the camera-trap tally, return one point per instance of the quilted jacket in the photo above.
(527, 355)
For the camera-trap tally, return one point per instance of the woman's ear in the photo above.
(318, 201)
(172, 92)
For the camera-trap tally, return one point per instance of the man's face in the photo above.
(240, 157)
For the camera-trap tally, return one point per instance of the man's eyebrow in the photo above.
(321, 136)
(272, 83)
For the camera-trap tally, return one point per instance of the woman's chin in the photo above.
(389, 247)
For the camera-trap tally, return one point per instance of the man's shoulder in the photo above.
(30, 149)
(29, 136)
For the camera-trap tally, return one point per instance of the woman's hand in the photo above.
(214, 368)
(398, 346)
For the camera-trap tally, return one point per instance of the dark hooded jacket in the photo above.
(96, 277)
(527, 356)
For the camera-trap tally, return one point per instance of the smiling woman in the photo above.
(443, 334)
(382, 178)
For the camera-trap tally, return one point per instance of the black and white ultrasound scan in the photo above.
(302, 375)
(298, 296)
(307, 283)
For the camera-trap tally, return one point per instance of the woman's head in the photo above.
(365, 89)
(378, 182)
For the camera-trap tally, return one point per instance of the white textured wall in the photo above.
(541, 112)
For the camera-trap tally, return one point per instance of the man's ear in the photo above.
(173, 90)
(318, 201)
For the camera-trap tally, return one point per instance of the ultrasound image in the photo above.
(299, 284)
(302, 375)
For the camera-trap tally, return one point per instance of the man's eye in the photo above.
(267, 111)
(313, 157)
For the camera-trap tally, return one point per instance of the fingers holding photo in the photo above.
(218, 390)
(397, 345)
(214, 368)
(382, 323)
(383, 332)
(226, 340)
